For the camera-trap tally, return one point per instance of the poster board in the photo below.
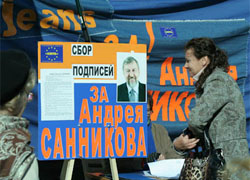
(78, 110)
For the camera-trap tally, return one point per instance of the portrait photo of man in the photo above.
(132, 90)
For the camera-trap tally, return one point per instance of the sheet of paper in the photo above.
(57, 94)
(169, 168)
(147, 173)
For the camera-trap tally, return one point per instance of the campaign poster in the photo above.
(85, 107)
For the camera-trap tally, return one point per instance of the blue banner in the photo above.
(164, 26)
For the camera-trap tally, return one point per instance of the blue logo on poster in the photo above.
(168, 32)
(51, 53)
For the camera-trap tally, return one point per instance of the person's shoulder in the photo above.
(121, 86)
(219, 74)
(22, 158)
(142, 85)
(158, 127)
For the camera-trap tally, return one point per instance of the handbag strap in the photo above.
(207, 140)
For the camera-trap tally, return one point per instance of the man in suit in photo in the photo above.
(132, 90)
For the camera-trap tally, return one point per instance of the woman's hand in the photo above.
(183, 142)
(161, 157)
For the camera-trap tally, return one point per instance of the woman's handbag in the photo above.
(208, 164)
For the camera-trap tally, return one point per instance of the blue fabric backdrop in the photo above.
(163, 25)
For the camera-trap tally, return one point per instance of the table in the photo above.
(123, 176)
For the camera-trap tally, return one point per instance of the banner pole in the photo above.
(114, 170)
(67, 169)
(85, 32)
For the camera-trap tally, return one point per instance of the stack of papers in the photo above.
(169, 168)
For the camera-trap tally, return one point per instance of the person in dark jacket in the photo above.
(132, 90)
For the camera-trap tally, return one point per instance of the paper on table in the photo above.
(169, 168)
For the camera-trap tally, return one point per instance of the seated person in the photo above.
(160, 146)
(17, 160)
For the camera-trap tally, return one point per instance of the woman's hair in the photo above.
(206, 47)
(16, 104)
